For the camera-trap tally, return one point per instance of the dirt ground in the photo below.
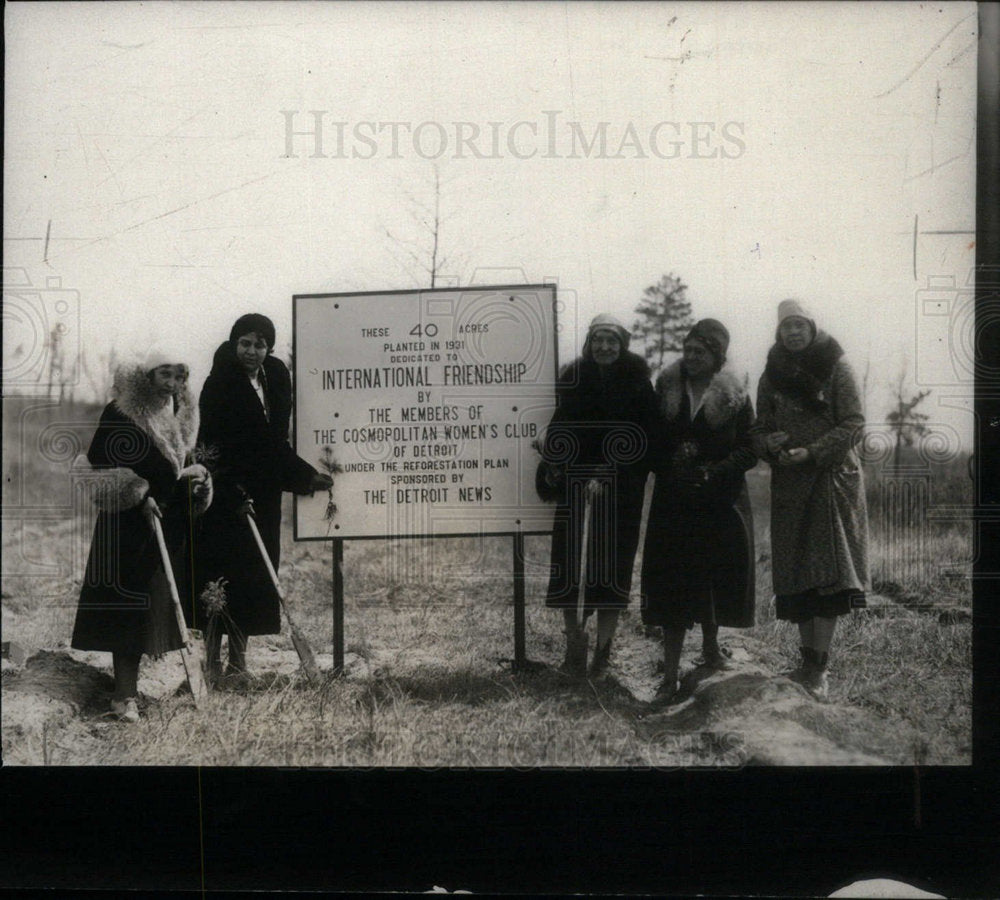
(55, 704)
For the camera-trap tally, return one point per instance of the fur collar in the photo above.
(173, 435)
(804, 374)
(628, 367)
(724, 397)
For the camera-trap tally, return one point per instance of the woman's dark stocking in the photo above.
(126, 667)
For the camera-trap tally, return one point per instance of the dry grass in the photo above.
(429, 630)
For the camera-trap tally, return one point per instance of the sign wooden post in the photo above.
(338, 606)
(519, 655)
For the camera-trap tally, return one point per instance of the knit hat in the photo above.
(607, 322)
(792, 307)
(714, 335)
(256, 323)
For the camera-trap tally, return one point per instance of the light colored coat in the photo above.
(819, 518)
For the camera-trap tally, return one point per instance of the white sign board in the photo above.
(430, 402)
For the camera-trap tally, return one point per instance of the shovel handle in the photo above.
(584, 541)
(168, 570)
(264, 556)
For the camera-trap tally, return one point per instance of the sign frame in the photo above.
(417, 292)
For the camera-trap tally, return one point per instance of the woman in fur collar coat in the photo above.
(597, 439)
(139, 466)
(245, 409)
(698, 560)
(809, 421)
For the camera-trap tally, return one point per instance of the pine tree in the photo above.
(664, 318)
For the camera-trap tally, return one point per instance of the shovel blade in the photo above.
(194, 662)
(305, 653)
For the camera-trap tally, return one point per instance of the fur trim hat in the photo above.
(160, 355)
(714, 335)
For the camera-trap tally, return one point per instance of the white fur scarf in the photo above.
(723, 398)
(173, 435)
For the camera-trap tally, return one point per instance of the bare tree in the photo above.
(55, 363)
(905, 422)
(422, 256)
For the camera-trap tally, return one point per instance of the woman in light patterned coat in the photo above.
(809, 421)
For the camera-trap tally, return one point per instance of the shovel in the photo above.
(190, 651)
(298, 638)
(588, 503)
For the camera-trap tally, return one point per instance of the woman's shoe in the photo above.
(800, 673)
(126, 710)
(666, 693)
(717, 659)
(818, 686)
(235, 679)
(815, 680)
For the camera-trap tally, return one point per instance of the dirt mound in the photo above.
(775, 722)
(771, 719)
(43, 705)
(67, 685)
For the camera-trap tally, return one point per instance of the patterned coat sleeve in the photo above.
(829, 449)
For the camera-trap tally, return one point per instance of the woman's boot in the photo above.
(213, 656)
(236, 675)
(575, 663)
(673, 645)
(601, 659)
(607, 622)
(716, 656)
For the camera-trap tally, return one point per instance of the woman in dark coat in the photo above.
(810, 421)
(698, 561)
(137, 468)
(245, 409)
(597, 441)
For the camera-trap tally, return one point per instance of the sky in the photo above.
(759, 151)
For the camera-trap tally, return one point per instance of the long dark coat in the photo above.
(250, 457)
(599, 430)
(125, 604)
(698, 556)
